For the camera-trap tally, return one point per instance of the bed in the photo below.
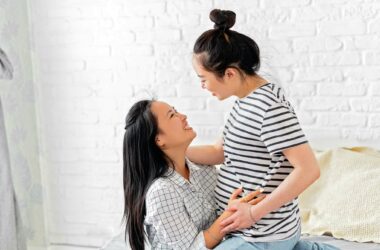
(118, 243)
(342, 207)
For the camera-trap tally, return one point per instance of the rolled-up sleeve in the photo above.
(173, 227)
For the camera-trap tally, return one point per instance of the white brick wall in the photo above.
(93, 58)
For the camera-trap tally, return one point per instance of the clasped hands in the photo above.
(242, 211)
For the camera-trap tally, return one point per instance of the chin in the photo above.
(194, 134)
(190, 140)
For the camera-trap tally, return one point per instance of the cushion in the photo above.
(345, 201)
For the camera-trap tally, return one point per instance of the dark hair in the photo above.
(221, 48)
(143, 162)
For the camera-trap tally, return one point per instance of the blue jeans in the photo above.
(311, 245)
(294, 242)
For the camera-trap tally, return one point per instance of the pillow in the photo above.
(345, 201)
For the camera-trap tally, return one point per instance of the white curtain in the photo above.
(11, 236)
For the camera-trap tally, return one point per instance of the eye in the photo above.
(173, 112)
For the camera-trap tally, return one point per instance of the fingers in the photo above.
(249, 197)
(229, 228)
(227, 221)
(257, 200)
(236, 193)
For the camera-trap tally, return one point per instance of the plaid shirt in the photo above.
(178, 210)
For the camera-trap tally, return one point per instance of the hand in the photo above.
(243, 217)
(249, 198)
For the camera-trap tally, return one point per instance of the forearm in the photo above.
(206, 154)
(213, 234)
(290, 188)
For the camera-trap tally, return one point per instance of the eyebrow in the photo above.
(200, 76)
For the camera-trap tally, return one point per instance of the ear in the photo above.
(160, 143)
(230, 72)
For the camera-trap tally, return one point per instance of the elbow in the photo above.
(317, 172)
(221, 158)
(219, 152)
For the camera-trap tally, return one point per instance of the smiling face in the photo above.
(209, 80)
(174, 131)
(220, 87)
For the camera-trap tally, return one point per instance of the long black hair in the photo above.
(143, 162)
(221, 48)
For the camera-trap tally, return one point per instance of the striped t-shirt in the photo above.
(258, 128)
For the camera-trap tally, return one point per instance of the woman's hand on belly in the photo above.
(240, 208)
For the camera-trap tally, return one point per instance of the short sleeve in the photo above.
(280, 129)
(174, 229)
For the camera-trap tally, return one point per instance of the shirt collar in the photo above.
(178, 179)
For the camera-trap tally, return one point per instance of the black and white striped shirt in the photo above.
(258, 128)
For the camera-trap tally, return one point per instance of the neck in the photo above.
(249, 84)
(177, 156)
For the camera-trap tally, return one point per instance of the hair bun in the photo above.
(223, 19)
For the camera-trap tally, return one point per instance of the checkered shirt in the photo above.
(177, 210)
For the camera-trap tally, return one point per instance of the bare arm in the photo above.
(306, 171)
(213, 235)
(206, 154)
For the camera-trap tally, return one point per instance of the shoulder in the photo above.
(207, 169)
(210, 173)
(160, 190)
(203, 170)
(163, 199)
(205, 177)
(264, 97)
(271, 93)
(276, 99)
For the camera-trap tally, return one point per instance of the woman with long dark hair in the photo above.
(168, 198)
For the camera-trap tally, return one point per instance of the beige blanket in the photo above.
(345, 201)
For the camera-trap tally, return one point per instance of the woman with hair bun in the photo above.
(262, 146)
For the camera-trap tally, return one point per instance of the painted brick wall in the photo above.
(93, 58)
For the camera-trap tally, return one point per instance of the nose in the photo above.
(183, 116)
